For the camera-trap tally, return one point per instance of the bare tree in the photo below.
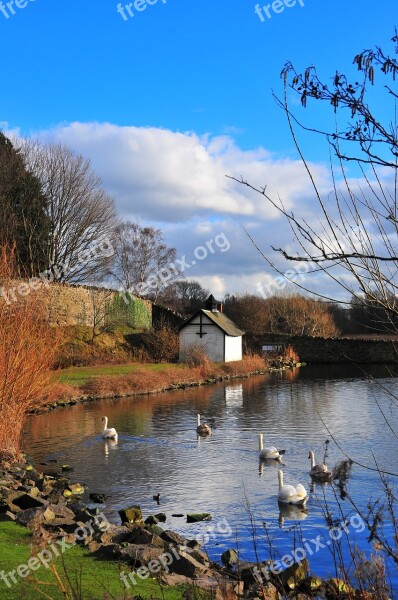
(143, 263)
(81, 214)
(353, 240)
(184, 296)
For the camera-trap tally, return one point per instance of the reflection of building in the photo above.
(234, 395)
(218, 336)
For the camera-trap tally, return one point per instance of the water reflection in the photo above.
(288, 512)
(158, 451)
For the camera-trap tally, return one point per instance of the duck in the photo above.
(108, 432)
(269, 451)
(319, 471)
(288, 494)
(202, 429)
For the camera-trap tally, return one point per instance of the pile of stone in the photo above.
(47, 501)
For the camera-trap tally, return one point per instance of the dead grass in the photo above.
(144, 381)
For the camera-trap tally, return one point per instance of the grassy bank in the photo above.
(93, 576)
(113, 381)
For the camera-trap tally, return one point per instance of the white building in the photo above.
(220, 337)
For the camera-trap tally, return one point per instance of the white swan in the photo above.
(270, 451)
(108, 432)
(319, 472)
(288, 494)
(202, 429)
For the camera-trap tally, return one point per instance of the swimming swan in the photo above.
(108, 433)
(270, 451)
(203, 429)
(288, 494)
(319, 472)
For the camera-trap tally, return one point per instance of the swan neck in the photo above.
(312, 456)
(280, 479)
(105, 422)
(260, 441)
(198, 420)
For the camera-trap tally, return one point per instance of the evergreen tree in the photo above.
(23, 217)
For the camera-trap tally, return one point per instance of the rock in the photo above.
(188, 566)
(106, 551)
(66, 468)
(194, 544)
(132, 514)
(219, 588)
(155, 529)
(161, 517)
(229, 558)
(195, 517)
(67, 524)
(173, 538)
(139, 535)
(151, 520)
(245, 571)
(10, 516)
(139, 555)
(21, 501)
(293, 575)
(177, 515)
(114, 534)
(76, 488)
(61, 510)
(33, 518)
(98, 498)
(200, 556)
(172, 579)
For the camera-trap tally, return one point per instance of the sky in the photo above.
(168, 97)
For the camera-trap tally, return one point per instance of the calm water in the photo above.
(158, 451)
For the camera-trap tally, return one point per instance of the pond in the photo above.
(158, 451)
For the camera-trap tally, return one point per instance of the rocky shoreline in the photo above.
(46, 501)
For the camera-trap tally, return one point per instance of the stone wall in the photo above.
(340, 350)
(81, 305)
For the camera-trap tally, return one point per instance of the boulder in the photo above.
(200, 556)
(21, 501)
(33, 518)
(140, 535)
(293, 575)
(151, 520)
(161, 517)
(132, 514)
(139, 555)
(229, 558)
(97, 498)
(114, 534)
(195, 517)
(105, 551)
(173, 538)
(188, 566)
(61, 510)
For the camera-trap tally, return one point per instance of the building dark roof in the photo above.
(219, 319)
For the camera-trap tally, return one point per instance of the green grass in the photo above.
(77, 376)
(97, 576)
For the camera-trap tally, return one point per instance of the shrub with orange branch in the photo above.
(27, 348)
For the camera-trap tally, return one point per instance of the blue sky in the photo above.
(181, 84)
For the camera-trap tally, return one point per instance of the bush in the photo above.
(162, 344)
(27, 349)
(194, 356)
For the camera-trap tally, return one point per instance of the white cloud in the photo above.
(177, 181)
(157, 174)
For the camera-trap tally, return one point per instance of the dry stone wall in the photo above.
(341, 350)
(81, 305)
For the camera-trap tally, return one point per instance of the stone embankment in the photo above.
(49, 504)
